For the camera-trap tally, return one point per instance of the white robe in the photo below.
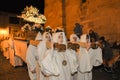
(31, 60)
(52, 65)
(65, 71)
(41, 49)
(72, 60)
(48, 64)
(91, 58)
(84, 61)
(73, 63)
(87, 59)
(85, 66)
(96, 56)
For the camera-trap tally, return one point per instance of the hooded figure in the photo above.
(58, 63)
(74, 50)
(39, 36)
(41, 49)
(32, 58)
(60, 38)
(87, 59)
(74, 38)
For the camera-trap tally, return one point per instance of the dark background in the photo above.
(17, 6)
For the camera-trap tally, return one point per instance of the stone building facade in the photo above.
(103, 16)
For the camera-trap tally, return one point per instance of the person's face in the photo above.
(60, 38)
(92, 40)
(74, 39)
(48, 37)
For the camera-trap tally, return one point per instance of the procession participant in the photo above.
(38, 38)
(59, 67)
(75, 47)
(88, 57)
(42, 47)
(69, 52)
(32, 58)
(72, 53)
(74, 38)
(72, 60)
(85, 67)
(74, 41)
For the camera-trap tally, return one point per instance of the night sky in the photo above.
(17, 6)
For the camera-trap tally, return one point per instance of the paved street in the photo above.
(8, 72)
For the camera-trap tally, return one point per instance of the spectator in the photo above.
(78, 29)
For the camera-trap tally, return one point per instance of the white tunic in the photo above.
(84, 61)
(52, 65)
(96, 56)
(87, 60)
(42, 48)
(73, 63)
(31, 60)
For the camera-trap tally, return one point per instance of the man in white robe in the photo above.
(32, 58)
(88, 58)
(73, 40)
(57, 64)
(41, 49)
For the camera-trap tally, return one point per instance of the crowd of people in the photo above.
(53, 56)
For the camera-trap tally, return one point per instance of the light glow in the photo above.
(3, 32)
(31, 14)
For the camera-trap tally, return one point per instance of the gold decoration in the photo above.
(31, 14)
(64, 62)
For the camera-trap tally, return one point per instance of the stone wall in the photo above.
(53, 13)
(72, 15)
(103, 16)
